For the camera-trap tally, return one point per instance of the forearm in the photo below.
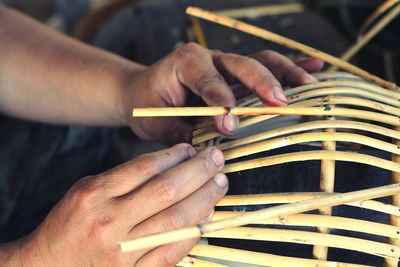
(49, 77)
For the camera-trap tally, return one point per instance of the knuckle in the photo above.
(166, 192)
(207, 166)
(208, 79)
(174, 220)
(84, 193)
(188, 50)
(147, 164)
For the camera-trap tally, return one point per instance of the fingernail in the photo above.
(217, 156)
(221, 180)
(230, 123)
(192, 151)
(279, 95)
(308, 78)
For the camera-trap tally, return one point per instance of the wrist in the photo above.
(128, 81)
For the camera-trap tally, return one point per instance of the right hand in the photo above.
(155, 192)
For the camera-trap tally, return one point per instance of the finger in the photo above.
(167, 255)
(170, 130)
(254, 76)
(283, 68)
(197, 72)
(310, 64)
(171, 186)
(126, 177)
(197, 208)
(189, 211)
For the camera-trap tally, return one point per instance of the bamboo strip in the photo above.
(261, 259)
(365, 86)
(267, 145)
(259, 11)
(340, 112)
(314, 102)
(237, 111)
(327, 221)
(345, 91)
(385, 6)
(327, 184)
(308, 126)
(281, 198)
(364, 39)
(309, 238)
(194, 262)
(267, 35)
(198, 32)
(333, 75)
(312, 155)
(158, 239)
(393, 220)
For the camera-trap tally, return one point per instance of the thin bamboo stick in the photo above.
(312, 155)
(309, 238)
(267, 35)
(203, 133)
(281, 198)
(309, 126)
(345, 91)
(333, 75)
(237, 111)
(394, 220)
(198, 32)
(262, 259)
(327, 184)
(194, 262)
(267, 145)
(259, 11)
(155, 240)
(364, 39)
(365, 86)
(211, 132)
(326, 221)
(385, 6)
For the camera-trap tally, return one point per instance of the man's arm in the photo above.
(49, 77)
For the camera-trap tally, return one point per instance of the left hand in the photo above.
(194, 69)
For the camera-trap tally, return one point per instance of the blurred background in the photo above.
(145, 31)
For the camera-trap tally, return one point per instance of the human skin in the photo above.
(46, 76)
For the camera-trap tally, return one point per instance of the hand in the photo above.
(208, 74)
(155, 192)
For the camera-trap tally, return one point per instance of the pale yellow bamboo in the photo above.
(309, 126)
(261, 259)
(211, 132)
(312, 155)
(306, 100)
(333, 75)
(345, 91)
(236, 24)
(385, 6)
(309, 137)
(326, 221)
(394, 220)
(237, 111)
(194, 262)
(280, 198)
(158, 239)
(365, 86)
(327, 184)
(309, 238)
(260, 11)
(364, 39)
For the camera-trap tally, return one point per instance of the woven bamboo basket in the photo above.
(370, 119)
